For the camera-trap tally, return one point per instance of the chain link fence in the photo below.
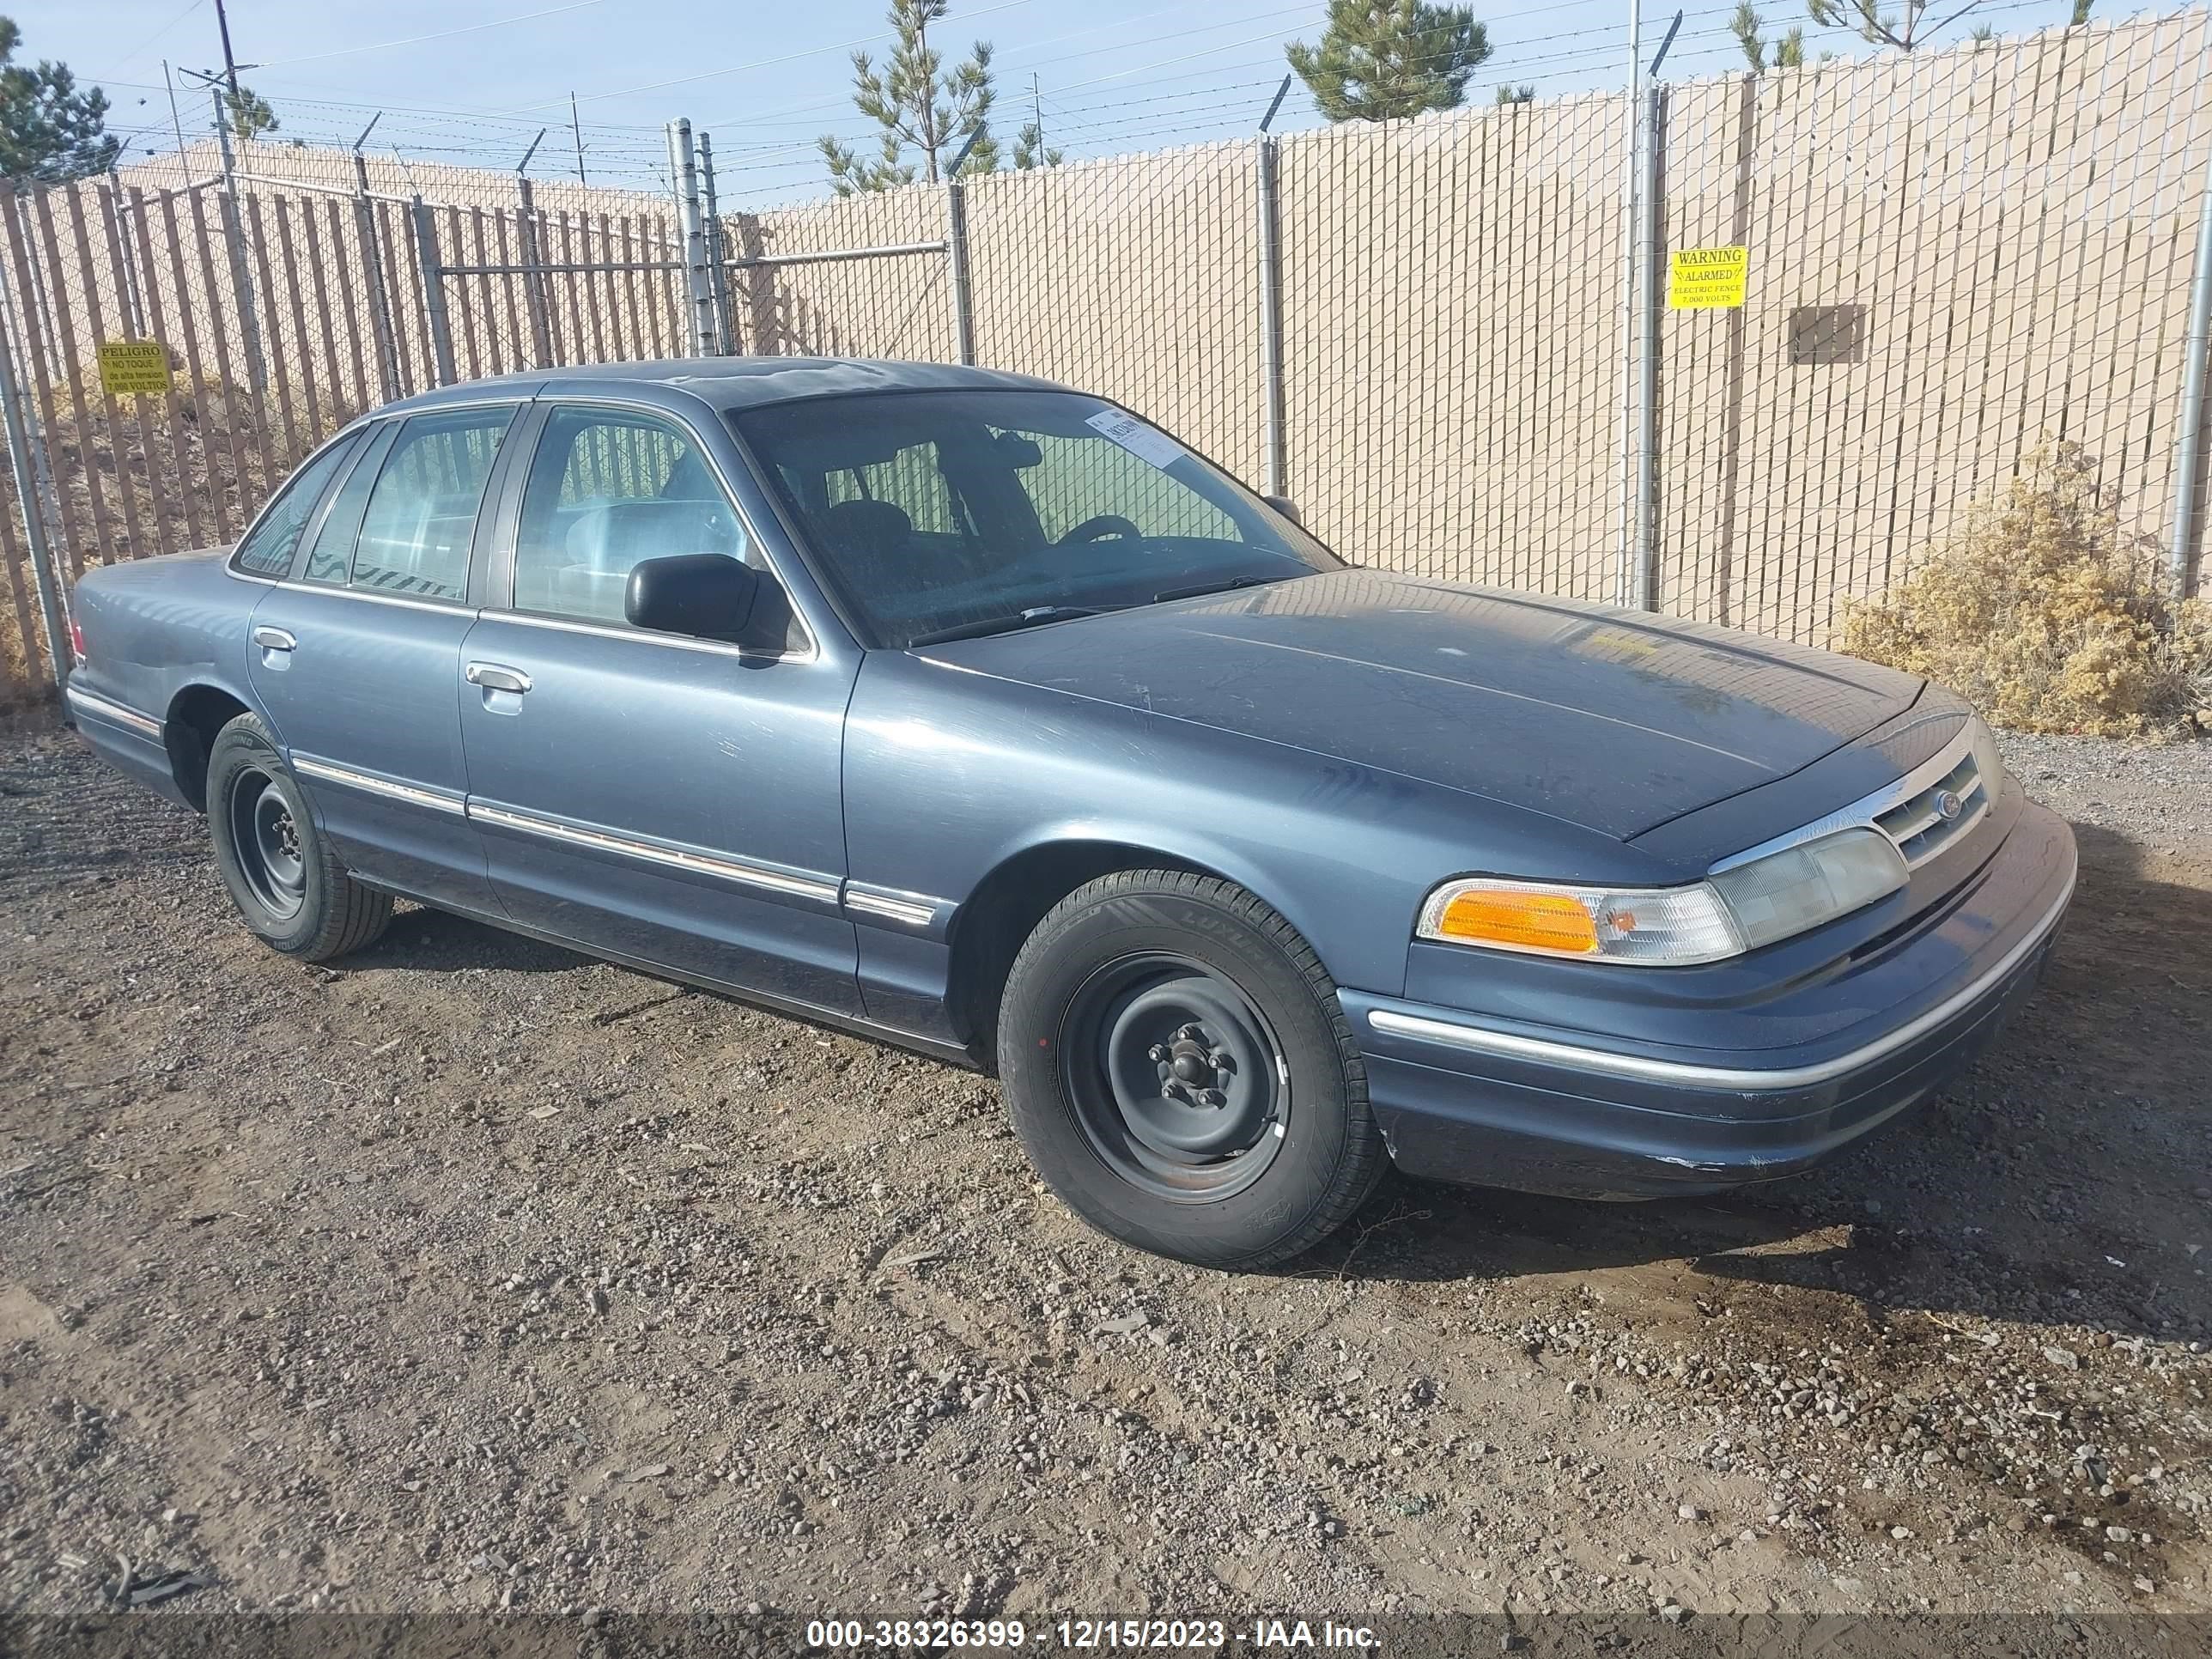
(1423, 332)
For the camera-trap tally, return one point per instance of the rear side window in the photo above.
(421, 515)
(608, 489)
(330, 552)
(268, 548)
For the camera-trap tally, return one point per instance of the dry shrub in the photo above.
(2048, 615)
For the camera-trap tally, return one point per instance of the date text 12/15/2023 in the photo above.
(1200, 1635)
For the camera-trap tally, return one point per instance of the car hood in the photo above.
(1612, 721)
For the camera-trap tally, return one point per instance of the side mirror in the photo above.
(1288, 507)
(709, 596)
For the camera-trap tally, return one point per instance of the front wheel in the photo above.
(286, 880)
(1178, 1068)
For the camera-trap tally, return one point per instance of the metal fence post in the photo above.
(955, 258)
(1643, 573)
(379, 297)
(718, 268)
(30, 499)
(1275, 468)
(533, 281)
(683, 168)
(234, 236)
(133, 304)
(434, 293)
(2189, 460)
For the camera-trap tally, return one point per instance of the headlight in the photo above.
(1724, 915)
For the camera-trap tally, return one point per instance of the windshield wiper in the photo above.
(1197, 589)
(1029, 618)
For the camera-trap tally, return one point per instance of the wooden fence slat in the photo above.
(273, 354)
(58, 295)
(190, 499)
(365, 398)
(338, 411)
(222, 507)
(246, 437)
(39, 352)
(138, 543)
(474, 297)
(640, 347)
(17, 680)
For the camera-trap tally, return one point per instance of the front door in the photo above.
(358, 660)
(670, 800)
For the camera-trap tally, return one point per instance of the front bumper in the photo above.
(1466, 1097)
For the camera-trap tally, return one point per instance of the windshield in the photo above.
(935, 511)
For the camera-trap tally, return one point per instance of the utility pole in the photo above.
(576, 130)
(175, 120)
(234, 235)
(718, 269)
(229, 63)
(1037, 115)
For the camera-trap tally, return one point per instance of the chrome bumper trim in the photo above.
(1506, 1045)
(92, 704)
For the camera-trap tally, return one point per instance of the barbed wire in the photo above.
(759, 164)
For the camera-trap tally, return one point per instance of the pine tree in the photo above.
(249, 113)
(50, 132)
(1381, 60)
(1877, 28)
(919, 103)
(1030, 150)
(1789, 51)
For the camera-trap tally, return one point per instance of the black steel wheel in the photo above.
(267, 837)
(288, 884)
(1180, 1071)
(1174, 1075)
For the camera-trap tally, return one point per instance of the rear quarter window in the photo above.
(267, 547)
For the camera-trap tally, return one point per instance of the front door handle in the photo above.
(498, 676)
(273, 638)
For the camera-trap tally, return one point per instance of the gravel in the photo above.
(472, 1274)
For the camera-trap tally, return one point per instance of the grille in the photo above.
(1918, 824)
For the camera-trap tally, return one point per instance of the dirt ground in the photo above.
(474, 1274)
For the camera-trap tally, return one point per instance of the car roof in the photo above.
(730, 382)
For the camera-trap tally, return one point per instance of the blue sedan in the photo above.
(983, 717)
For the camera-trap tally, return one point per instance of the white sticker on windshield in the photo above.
(1146, 443)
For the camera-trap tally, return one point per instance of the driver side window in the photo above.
(607, 490)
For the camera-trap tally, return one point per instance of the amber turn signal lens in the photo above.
(1535, 921)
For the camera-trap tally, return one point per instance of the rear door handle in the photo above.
(498, 676)
(273, 638)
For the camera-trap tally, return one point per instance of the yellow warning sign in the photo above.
(134, 367)
(1707, 278)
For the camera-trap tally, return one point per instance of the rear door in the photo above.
(672, 800)
(358, 657)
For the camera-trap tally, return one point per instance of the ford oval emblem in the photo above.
(1949, 805)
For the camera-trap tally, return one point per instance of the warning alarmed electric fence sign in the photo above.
(1707, 278)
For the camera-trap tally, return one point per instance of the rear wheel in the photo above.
(288, 883)
(1177, 1065)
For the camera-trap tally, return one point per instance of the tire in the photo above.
(282, 874)
(1178, 1068)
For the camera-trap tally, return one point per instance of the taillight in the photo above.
(76, 641)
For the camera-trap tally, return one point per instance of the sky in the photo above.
(473, 81)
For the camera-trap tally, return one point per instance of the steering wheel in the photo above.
(1105, 524)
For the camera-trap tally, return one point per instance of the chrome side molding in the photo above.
(705, 864)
